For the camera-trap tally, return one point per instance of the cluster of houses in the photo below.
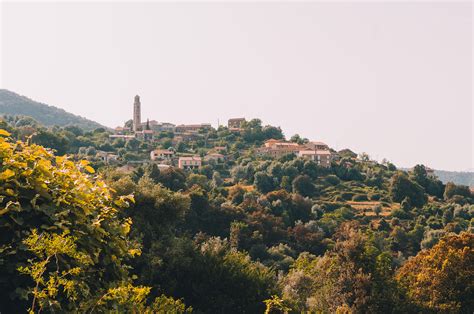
(316, 151)
(147, 130)
(167, 157)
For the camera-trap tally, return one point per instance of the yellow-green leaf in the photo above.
(6, 174)
(4, 133)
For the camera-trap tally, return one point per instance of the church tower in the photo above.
(137, 118)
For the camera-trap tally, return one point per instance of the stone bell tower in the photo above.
(137, 118)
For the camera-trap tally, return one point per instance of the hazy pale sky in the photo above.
(390, 79)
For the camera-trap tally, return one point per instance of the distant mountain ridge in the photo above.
(463, 178)
(16, 105)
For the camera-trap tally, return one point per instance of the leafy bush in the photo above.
(347, 196)
(65, 231)
(359, 198)
(441, 279)
(398, 213)
(333, 180)
(374, 196)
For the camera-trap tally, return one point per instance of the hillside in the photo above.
(250, 221)
(17, 105)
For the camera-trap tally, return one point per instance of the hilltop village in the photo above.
(153, 132)
(153, 217)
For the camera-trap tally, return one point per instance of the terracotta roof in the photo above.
(323, 152)
(314, 152)
(163, 151)
(272, 140)
(307, 152)
(190, 158)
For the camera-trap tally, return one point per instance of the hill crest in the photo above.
(14, 104)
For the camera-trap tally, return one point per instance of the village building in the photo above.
(166, 127)
(161, 154)
(220, 149)
(192, 162)
(316, 151)
(159, 126)
(192, 128)
(214, 157)
(235, 123)
(317, 146)
(146, 135)
(278, 148)
(107, 157)
(163, 166)
(321, 157)
(150, 124)
(122, 136)
(122, 130)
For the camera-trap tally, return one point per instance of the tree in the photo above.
(296, 139)
(272, 132)
(62, 231)
(311, 169)
(51, 140)
(153, 172)
(215, 278)
(181, 147)
(132, 145)
(420, 175)
(452, 189)
(377, 209)
(303, 185)
(354, 277)
(441, 279)
(286, 183)
(197, 179)
(173, 178)
(216, 179)
(401, 187)
(431, 185)
(91, 151)
(263, 182)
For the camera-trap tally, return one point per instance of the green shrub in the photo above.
(331, 206)
(400, 214)
(332, 179)
(359, 198)
(374, 196)
(347, 195)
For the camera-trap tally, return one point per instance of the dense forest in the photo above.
(250, 234)
(15, 105)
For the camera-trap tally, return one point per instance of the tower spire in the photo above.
(137, 114)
